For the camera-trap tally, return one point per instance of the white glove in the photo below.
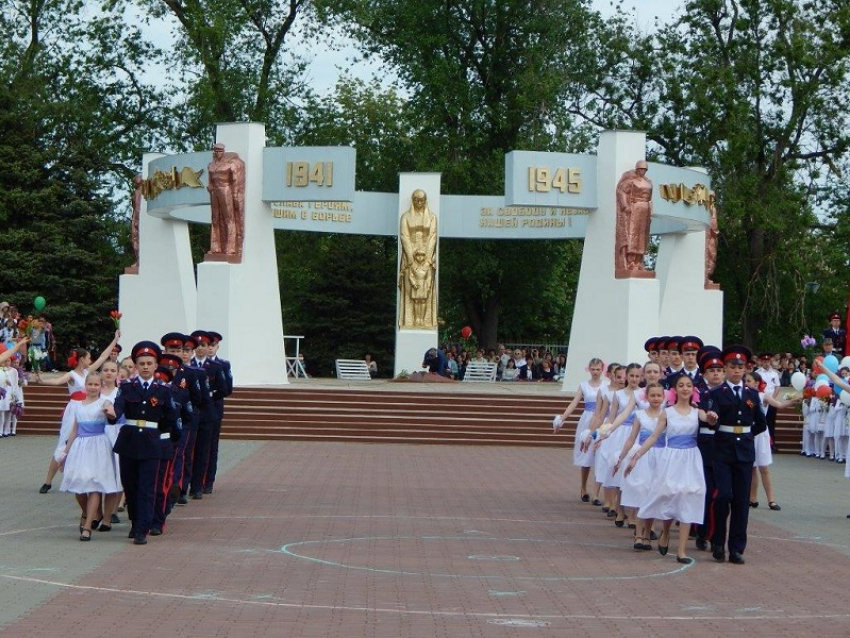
(557, 422)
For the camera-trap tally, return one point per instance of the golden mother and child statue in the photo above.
(417, 274)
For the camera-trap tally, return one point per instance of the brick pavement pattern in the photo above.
(350, 540)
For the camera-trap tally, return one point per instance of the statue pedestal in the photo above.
(222, 258)
(242, 300)
(615, 312)
(688, 307)
(634, 274)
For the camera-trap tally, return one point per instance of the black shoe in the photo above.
(173, 494)
(611, 514)
(132, 534)
(774, 506)
(113, 519)
(646, 547)
(597, 502)
(103, 527)
(632, 526)
(736, 557)
(207, 490)
(702, 545)
(182, 500)
(85, 535)
(95, 524)
(754, 504)
(45, 488)
(619, 523)
(156, 531)
(140, 539)
(197, 496)
(685, 560)
(719, 555)
(606, 509)
(638, 545)
(585, 498)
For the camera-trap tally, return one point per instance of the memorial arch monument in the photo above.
(547, 196)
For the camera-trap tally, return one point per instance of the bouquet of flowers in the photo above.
(808, 342)
(116, 318)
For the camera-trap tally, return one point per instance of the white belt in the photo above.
(706, 431)
(142, 423)
(734, 429)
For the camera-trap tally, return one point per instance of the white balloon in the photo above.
(845, 362)
(821, 383)
(798, 381)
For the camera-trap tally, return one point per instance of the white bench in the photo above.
(478, 372)
(352, 370)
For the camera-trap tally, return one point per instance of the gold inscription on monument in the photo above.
(543, 179)
(305, 173)
(333, 212)
(675, 193)
(528, 217)
(170, 180)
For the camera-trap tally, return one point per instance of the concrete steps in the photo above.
(387, 416)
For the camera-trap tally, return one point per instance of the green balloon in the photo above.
(39, 303)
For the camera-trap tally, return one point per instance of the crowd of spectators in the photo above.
(41, 351)
(518, 364)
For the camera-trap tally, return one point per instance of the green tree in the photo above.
(72, 124)
(484, 77)
(754, 91)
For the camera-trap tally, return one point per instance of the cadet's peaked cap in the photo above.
(651, 344)
(170, 361)
(690, 344)
(737, 354)
(163, 374)
(173, 340)
(202, 336)
(145, 349)
(709, 357)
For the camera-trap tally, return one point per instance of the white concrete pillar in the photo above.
(242, 301)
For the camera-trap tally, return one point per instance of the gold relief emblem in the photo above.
(675, 193)
(170, 180)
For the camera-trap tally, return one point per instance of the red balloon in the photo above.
(466, 332)
(824, 392)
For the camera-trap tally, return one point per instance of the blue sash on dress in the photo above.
(682, 441)
(90, 428)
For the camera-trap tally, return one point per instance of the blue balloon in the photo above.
(831, 362)
(822, 377)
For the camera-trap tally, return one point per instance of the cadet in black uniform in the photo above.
(651, 347)
(688, 348)
(737, 417)
(209, 412)
(713, 375)
(837, 334)
(191, 384)
(150, 418)
(212, 467)
(165, 472)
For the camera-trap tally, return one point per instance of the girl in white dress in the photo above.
(611, 441)
(88, 461)
(588, 391)
(599, 424)
(80, 361)
(636, 486)
(109, 376)
(7, 395)
(764, 457)
(678, 492)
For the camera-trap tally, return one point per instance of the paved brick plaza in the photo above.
(342, 540)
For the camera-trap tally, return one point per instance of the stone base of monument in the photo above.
(131, 270)
(410, 349)
(236, 301)
(634, 274)
(710, 285)
(221, 257)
